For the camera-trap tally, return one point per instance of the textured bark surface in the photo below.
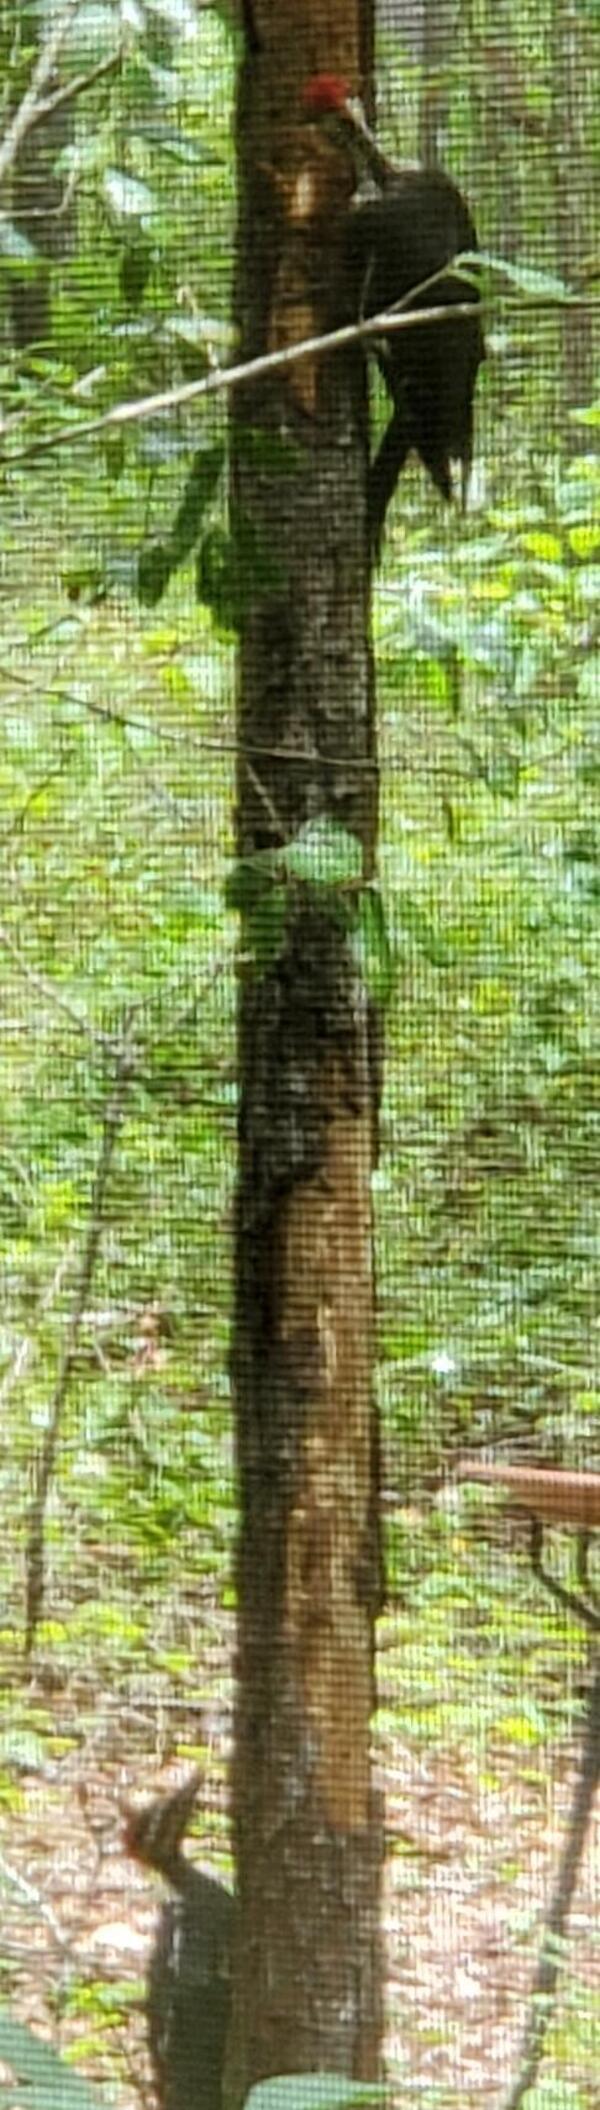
(574, 80)
(307, 1981)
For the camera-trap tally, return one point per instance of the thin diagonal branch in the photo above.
(35, 1555)
(229, 377)
(27, 113)
(78, 86)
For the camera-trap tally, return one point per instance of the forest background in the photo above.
(118, 1052)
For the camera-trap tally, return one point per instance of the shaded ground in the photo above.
(471, 1850)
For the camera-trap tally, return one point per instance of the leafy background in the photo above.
(116, 805)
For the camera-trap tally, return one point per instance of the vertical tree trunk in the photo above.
(307, 1993)
(574, 85)
(439, 23)
(494, 148)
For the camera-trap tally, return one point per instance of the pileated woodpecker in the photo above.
(406, 225)
(189, 1974)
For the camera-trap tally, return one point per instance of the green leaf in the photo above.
(127, 197)
(161, 557)
(523, 1728)
(23, 1750)
(251, 878)
(196, 336)
(176, 146)
(50, 2084)
(325, 855)
(503, 778)
(371, 947)
(544, 545)
(413, 918)
(265, 928)
(16, 252)
(180, 15)
(541, 285)
(92, 35)
(134, 269)
(585, 540)
(217, 577)
(589, 416)
(200, 489)
(153, 573)
(314, 2091)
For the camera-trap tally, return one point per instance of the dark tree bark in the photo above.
(493, 145)
(439, 28)
(574, 86)
(307, 1982)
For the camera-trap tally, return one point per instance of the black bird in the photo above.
(188, 1993)
(406, 226)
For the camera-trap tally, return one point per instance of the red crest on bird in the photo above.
(324, 93)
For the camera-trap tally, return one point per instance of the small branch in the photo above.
(77, 86)
(553, 1493)
(47, 990)
(227, 377)
(25, 1351)
(554, 1936)
(168, 736)
(577, 1606)
(34, 1897)
(35, 1566)
(26, 115)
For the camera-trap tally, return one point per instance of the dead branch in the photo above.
(557, 1496)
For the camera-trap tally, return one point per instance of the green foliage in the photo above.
(313, 2091)
(49, 2083)
(161, 558)
(323, 861)
(481, 940)
(324, 855)
(17, 254)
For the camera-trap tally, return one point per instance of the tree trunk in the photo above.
(307, 1987)
(573, 131)
(439, 34)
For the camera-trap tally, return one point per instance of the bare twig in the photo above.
(123, 1070)
(35, 1897)
(227, 377)
(78, 86)
(27, 113)
(25, 1351)
(51, 995)
(553, 1942)
(586, 1613)
(224, 378)
(554, 1938)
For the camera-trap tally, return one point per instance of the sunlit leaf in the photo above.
(314, 2091)
(325, 854)
(127, 197)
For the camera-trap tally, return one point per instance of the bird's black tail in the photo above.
(385, 469)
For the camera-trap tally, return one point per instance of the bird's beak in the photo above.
(355, 112)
